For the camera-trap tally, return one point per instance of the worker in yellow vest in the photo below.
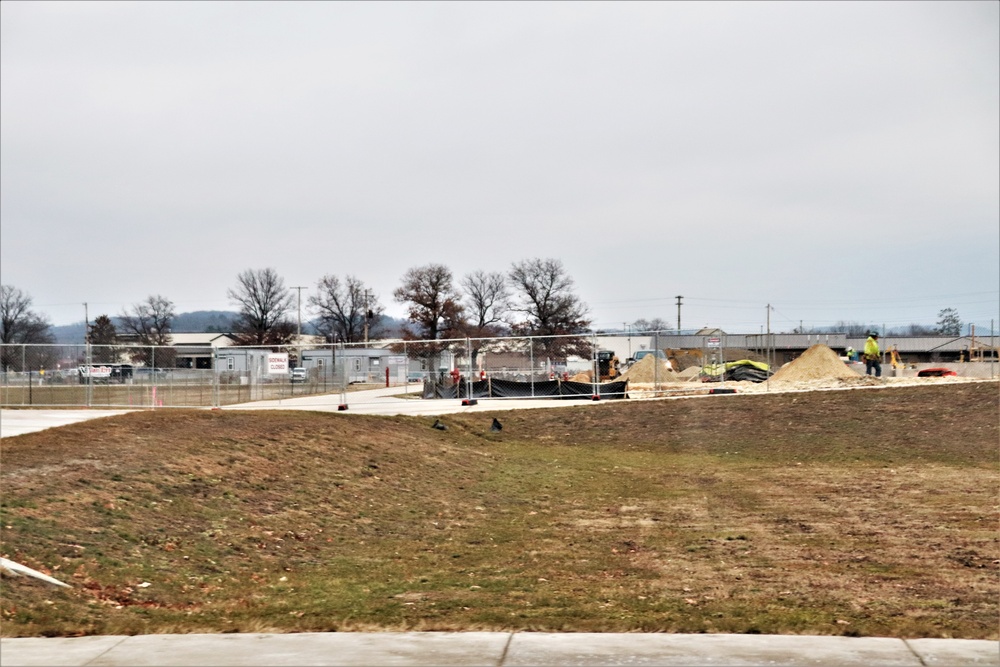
(872, 355)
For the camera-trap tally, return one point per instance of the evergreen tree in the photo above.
(948, 323)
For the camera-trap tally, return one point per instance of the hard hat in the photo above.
(874, 334)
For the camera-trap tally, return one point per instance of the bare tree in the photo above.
(264, 303)
(487, 304)
(19, 324)
(915, 329)
(434, 304)
(655, 324)
(344, 308)
(549, 306)
(434, 309)
(149, 320)
(149, 323)
(854, 329)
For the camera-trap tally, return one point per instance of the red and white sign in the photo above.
(277, 363)
(96, 372)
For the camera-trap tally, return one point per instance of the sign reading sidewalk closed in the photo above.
(277, 363)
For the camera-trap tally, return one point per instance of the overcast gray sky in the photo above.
(839, 160)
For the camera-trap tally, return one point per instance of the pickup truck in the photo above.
(642, 353)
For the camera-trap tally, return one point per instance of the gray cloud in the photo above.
(838, 159)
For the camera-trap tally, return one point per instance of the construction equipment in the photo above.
(607, 365)
(894, 356)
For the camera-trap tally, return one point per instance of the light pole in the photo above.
(298, 330)
(366, 316)
(86, 351)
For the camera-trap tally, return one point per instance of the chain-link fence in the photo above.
(141, 376)
(200, 376)
(652, 363)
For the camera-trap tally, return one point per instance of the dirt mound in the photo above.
(690, 372)
(645, 370)
(819, 362)
(684, 359)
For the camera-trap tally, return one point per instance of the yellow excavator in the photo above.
(894, 356)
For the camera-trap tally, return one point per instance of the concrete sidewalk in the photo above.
(495, 649)
(18, 422)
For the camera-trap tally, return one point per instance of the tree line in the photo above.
(535, 297)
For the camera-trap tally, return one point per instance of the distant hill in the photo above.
(67, 334)
(200, 321)
(204, 320)
(194, 322)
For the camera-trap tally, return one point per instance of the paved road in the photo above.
(388, 401)
(501, 649)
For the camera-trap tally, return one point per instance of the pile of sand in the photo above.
(684, 359)
(645, 370)
(689, 373)
(819, 362)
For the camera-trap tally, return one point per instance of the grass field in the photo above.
(866, 512)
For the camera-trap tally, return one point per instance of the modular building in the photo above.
(251, 365)
(355, 365)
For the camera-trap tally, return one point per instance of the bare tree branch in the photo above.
(264, 302)
(343, 307)
(149, 320)
(549, 305)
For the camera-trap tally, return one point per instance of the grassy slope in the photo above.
(856, 512)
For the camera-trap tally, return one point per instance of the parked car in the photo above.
(299, 375)
(639, 354)
(642, 353)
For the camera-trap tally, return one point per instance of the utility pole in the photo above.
(86, 351)
(366, 314)
(679, 314)
(298, 331)
(767, 342)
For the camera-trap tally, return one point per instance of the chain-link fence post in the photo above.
(531, 364)
(88, 365)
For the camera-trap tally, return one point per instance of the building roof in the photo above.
(211, 339)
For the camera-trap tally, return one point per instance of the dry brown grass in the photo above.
(856, 512)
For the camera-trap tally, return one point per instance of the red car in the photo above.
(935, 373)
